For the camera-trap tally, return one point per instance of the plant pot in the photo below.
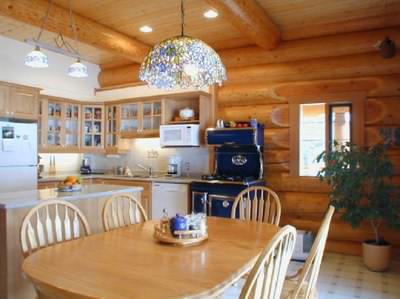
(376, 256)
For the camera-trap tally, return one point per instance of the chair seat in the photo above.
(290, 285)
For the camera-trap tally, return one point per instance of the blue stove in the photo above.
(238, 165)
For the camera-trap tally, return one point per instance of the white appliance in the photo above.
(172, 197)
(18, 156)
(175, 166)
(179, 135)
(302, 248)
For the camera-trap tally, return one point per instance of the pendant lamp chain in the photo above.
(73, 28)
(182, 19)
(44, 20)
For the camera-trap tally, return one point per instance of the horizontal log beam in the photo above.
(250, 19)
(360, 65)
(119, 76)
(276, 115)
(383, 111)
(90, 32)
(350, 43)
(293, 56)
(353, 25)
(266, 93)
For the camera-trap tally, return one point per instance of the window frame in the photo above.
(357, 102)
(334, 105)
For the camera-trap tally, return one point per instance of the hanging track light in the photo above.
(38, 59)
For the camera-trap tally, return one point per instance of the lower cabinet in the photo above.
(48, 185)
(146, 197)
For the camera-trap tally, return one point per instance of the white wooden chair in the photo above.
(268, 274)
(303, 284)
(257, 204)
(122, 210)
(51, 222)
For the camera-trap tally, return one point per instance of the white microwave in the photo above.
(179, 135)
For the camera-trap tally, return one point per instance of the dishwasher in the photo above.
(172, 197)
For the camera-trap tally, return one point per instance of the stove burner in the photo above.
(212, 177)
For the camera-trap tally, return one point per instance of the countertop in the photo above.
(18, 199)
(157, 178)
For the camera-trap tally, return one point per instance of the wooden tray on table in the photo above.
(183, 238)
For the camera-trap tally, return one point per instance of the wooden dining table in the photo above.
(129, 263)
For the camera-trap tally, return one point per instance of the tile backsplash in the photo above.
(147, 152)
(64, 162)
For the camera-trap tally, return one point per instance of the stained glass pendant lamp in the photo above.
(182, 62)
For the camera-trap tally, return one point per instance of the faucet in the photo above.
(148, 169)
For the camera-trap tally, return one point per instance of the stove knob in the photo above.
(225, 203)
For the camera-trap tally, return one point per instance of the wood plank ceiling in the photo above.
(295, 19)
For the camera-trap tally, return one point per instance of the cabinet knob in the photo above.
(225, 204)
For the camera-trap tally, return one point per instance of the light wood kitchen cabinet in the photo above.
(114, 143)
(24, 103)
(4, 99)
(93, 127)
(59, 125)
(141, 119)
(18, 101)
(48, 184)
(146, 196)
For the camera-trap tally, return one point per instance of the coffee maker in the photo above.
(85, 167)
(175, 166)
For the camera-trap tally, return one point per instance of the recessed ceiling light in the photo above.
(210, 14)
(146, 29)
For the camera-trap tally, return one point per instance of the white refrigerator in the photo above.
(18, 156)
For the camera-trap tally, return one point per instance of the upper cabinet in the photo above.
(114, 143)
(67, 126)
(152, 116)
(19, 101)
(4, 99)
(93, 127)
(72, 125)
(59, 125)
(141, 118)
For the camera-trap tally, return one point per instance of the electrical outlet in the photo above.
(152, 154)
(187, 166)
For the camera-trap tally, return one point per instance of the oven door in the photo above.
(220, 205)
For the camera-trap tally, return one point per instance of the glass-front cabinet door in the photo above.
(93, 127)
(151, 115)
(130, 118)
(112, 126)
(54, 125)
(72, 128)
(40, 124)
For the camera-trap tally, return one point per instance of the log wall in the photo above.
(261, 92)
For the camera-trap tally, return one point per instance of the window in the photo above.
(340, 124)
(312, 137)
(314, 126)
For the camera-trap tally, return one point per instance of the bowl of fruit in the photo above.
(70, 184)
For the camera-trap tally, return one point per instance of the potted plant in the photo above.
(361, 187)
